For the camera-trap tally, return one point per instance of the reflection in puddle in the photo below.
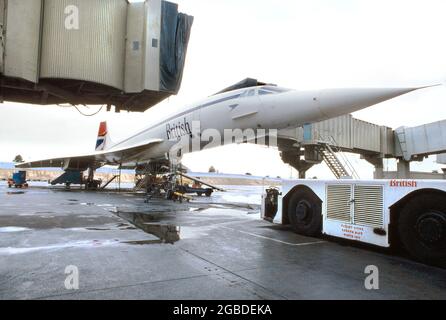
(73, 202)
(143, 242)
(147, 223)
(196, 209)
(12, 229)
(59, 246)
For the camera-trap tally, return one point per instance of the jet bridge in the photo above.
(421, 141)
(327, 141)
(129, 55)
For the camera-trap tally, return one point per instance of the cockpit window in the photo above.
(275, 89)
(264, 92)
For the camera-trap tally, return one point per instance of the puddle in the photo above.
(120, 226)
(196, 209)
(73, 244)
(13, 229)
(143, 242)
(147, 223)
(123, 226)
(15, 192)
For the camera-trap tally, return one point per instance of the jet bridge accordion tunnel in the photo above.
(92, 52)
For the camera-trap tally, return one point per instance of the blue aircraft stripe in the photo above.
(99, 142)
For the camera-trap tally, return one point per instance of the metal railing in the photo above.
(340, 167)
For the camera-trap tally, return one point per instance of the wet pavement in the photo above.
(211, 248)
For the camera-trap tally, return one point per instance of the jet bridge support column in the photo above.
(293, 159)
(403, 169)
(301, 158)
(378, 163)
(302, 167)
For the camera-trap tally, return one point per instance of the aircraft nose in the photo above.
(336, 102)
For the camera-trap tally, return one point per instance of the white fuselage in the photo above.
(263, 107)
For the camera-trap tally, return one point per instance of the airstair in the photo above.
(335, 159)
(113, 178)
(142, 177)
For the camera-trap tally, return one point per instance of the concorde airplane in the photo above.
(248, 104)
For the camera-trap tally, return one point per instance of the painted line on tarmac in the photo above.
(276, 240)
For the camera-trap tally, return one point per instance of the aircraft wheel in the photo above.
(305, 213)
(199, 194)
(208, 193)
(422, 228)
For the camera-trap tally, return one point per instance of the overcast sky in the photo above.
(296, 44)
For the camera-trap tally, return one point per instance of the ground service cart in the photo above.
(18, 180)
(385, 213)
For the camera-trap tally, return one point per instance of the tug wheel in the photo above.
(422, 228)
(305, 213)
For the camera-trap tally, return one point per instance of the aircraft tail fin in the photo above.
(103, 141)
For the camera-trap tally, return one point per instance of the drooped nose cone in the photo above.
(336, 102)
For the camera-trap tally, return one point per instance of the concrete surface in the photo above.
(215, 248)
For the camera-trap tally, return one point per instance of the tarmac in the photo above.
(212, 248)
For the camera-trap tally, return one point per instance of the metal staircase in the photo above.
(110, 181)
(329, 151)
(145, 173)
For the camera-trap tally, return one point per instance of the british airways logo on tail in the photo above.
(102, 133)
